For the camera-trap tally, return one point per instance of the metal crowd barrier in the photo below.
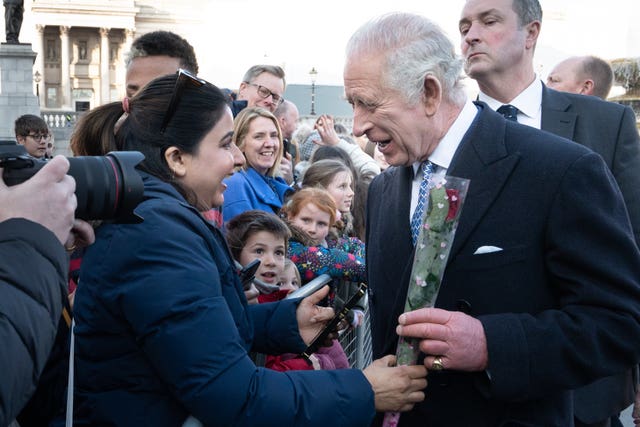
(356, 342)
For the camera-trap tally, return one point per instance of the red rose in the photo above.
(454, 203)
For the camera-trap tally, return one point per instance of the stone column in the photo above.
(128, 40)
(104, 66)
(65, 63)
(39, 65)
(16, 86)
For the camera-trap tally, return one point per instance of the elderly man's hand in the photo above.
(456, 339)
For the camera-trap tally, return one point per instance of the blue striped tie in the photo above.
(423, 199)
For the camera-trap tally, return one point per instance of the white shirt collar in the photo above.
(529, 102)
(446, 148)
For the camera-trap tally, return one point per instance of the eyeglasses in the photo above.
(184, 78)
(265, 93)
(40, 136)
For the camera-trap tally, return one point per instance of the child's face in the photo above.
(313, 221)
(270, 250)
(289, 279)
(341, 191)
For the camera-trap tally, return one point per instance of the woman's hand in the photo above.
(312, 317)
(636, 409)
(251, 294)
(396, 388)
(81, 235)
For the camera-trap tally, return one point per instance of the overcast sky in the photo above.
(301, 34)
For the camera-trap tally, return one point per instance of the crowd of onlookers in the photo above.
(152, 316)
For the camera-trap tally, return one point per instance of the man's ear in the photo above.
(177, 161)
(242, 87)
(21, 139)
(533, 31)
(587, 87)
(432, 96)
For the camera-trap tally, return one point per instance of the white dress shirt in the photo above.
(529, 102)
(443, 154)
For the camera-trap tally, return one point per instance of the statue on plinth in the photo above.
(13, 11)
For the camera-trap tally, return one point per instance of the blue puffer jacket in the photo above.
(163, 330)
(250, 190)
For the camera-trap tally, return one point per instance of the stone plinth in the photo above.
(16, 86)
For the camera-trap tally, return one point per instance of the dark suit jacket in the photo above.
(610, 130)
(607, 128)
(559, 303)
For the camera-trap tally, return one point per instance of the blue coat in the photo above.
(163, 331)
(249, 190)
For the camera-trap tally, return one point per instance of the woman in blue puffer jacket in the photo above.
(163, 329)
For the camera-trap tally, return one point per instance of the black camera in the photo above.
(107, 187)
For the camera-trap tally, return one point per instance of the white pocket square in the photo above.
(487, 250)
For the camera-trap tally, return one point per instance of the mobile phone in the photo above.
(287, 146)
(311, 287)
(333, 323)
(247, 273)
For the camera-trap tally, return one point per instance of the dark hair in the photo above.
(340, 129)
(241, 227)
(93, 134)
(199, 109)
(30, 123)
(322, 172)
(330, 152)
(165, 43)
(360, 185)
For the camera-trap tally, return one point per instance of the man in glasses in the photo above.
(33, 133)
(262, 86)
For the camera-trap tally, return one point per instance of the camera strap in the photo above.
(69, 419)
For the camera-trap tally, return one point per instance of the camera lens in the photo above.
(106, 186)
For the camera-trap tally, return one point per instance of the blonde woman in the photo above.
(256, 185)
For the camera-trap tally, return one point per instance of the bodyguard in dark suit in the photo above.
(541, 290)
(607, 128)
(498, 43)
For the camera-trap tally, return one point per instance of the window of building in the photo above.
(53, 99)
(83, 106)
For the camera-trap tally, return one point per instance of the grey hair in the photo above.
(283, 108)
(256, 70)
(600, 72)
(414, 48)
(527, 11)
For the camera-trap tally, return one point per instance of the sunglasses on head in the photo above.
(184, 78)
